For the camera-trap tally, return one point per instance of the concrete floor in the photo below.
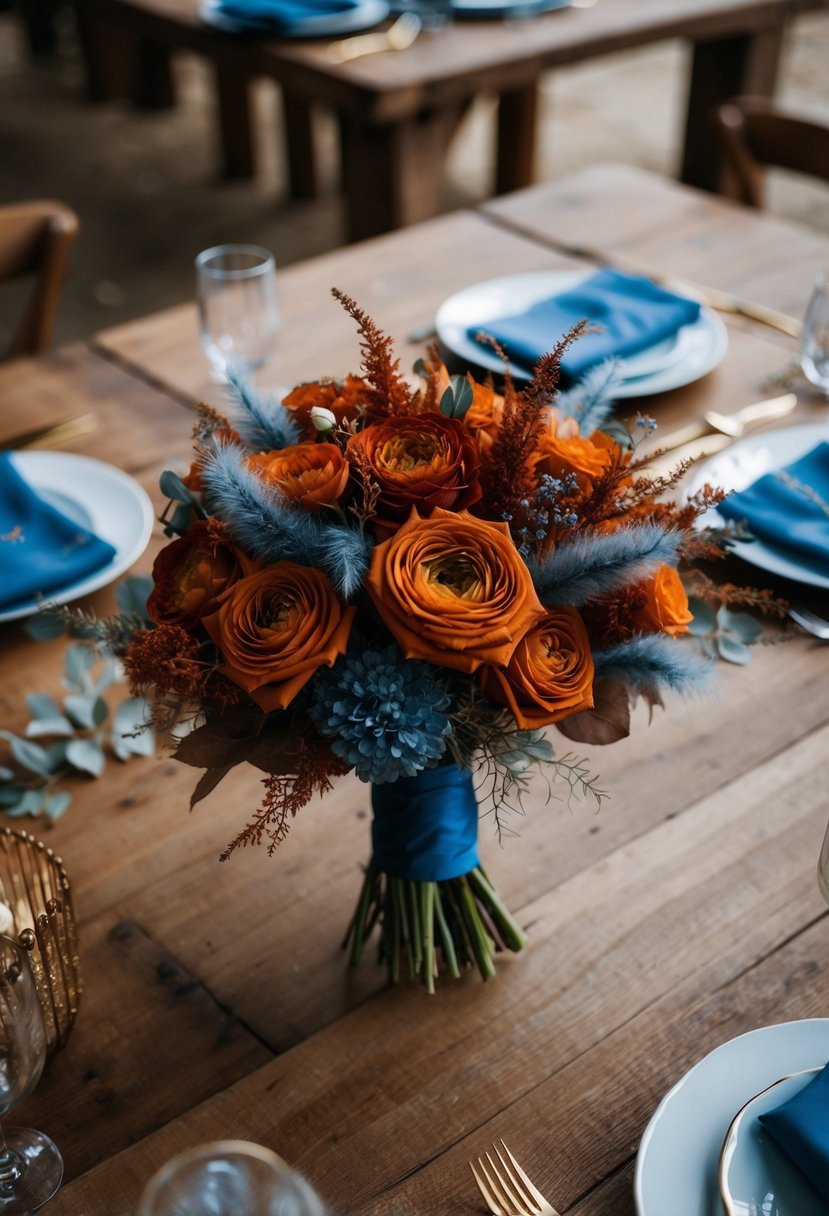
(145, 184)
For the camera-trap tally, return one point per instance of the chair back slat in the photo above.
(754, 134)
(36, 238)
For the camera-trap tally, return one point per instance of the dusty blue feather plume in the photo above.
(591, 401)
(262, 421)
(590, 566)
(267, 527)
(653, 662)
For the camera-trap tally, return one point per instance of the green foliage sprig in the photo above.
(723, 633)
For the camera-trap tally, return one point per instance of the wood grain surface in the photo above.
(217, 1000)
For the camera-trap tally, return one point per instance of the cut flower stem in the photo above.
(454, 924)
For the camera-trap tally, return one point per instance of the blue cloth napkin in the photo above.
(801, 1128)
(282, 16)
(633, 314)
(41, 550)
(790, 508)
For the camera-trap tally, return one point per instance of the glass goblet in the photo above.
(823, 867)
(814, 342)
(229, 1178)
(31, 1168)
(238, 306)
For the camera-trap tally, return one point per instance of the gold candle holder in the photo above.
(36, 908)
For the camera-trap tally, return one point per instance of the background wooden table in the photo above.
(398, 112)
(217, 1001)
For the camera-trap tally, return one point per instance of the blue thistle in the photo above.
(384, 714)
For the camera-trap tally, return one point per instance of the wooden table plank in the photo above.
(625, 213)
(355, 1107)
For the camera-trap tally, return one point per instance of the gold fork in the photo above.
(507, 1190)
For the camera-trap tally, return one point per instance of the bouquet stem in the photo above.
(458, 923)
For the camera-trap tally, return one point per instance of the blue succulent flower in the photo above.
(384, 714)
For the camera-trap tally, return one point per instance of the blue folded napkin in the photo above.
(801, 1128)
(633, 314)
(41, 550)
(281, 16)
(790, 508)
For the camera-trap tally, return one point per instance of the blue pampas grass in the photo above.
(267, 527)
(591, 400)
(263, 422)
(653, 662)
(595, 565)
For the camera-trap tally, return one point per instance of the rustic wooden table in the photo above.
(399, 111)
(217, 1000)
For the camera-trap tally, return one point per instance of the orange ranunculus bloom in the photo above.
(275, 628)
(424, 461)
(561, 453)
(347, 399)
(191, 573)
(453, 590)
(312, 474)
(550, 674)
(666, 607)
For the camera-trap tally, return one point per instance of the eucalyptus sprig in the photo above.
(723, 633)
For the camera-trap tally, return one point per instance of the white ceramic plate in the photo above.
(505, 8)
(98, 496)
(676, 1167)
(743, 462)
(755, 1174)
(366, 15)
(693, 352)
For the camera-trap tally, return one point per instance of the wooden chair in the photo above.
(36, 238)
(754, 134)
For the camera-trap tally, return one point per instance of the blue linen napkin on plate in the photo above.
(790, 507)
(633, 314)
(41, 549)
(801, 1128)
(282, 15)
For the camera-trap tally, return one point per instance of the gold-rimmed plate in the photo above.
(756, 1178)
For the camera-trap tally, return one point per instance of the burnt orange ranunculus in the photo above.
(276, 628)
(347, 399)
(453, 590)
(666, 605)
(424, 461)
(561, 454)
(311, 474)
(191, 573)
(550, 674)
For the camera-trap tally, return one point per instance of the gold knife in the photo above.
(729, 425)
(52, 435)
(696, 450)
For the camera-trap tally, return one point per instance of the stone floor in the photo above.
(145, 184)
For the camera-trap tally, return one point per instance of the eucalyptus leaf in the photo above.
(179, 521)
(79, 659)
(41, 706)
(29, 755)
(130, 716)
(50, 726)
(45, 626)
(30, 804)
(173, 487)
(709, 647)
(10, 795)
(56, 756)
(100, 710)
(55, 804)
(705, 618)
(457, 398)
(132, 595)
(6, 774)
(87, 755)
(733, 651)
(80, 708)
(140, 745)
(108, 676)
(747, 629)
(419, 368)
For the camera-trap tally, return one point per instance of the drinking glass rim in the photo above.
(266, 263)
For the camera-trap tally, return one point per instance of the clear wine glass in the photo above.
(823, 867)
(238, 306)
(31, 1168)
(229, 1178)
(814, 343)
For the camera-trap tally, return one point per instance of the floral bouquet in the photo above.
(411, 584)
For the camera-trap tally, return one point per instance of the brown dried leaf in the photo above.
(609, 719)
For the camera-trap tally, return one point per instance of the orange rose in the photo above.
(347, 399)
(550, 674)
(275, 628)
(190, 574)
(312, 474)
(425, 461)
(453, 590)
(666, 606)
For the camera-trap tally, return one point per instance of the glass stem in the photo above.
(12, 1166)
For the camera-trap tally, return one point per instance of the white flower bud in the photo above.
(322, 419)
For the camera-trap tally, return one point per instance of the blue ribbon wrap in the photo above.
(426, 827)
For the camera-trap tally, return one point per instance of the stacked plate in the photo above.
(97, 496)
(691, 353)
(704, 1153)
(363, 16)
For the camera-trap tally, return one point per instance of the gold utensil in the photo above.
(50, 436)
(698, 449)
(506, 1189)
(397, 37)
(734, 425)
